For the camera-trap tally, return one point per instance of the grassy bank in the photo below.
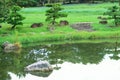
(76, 13)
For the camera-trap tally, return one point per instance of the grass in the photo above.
(76, 13)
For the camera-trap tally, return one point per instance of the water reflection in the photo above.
(83, 58)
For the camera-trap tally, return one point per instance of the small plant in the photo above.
(54, 13)
(15, 18)
(114, 13)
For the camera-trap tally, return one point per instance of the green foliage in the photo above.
(48, 5)
(4, 10)
(27, 3)
(15, 18)
(114, 13)
(54, 13)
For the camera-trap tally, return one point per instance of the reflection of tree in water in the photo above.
(113, 49)
(76, 53)
(15, 63)
(12, 62)
(57, 54)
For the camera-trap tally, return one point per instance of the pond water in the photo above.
(78, 61)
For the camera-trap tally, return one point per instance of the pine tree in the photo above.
(4, 10)
(114, 13)
(15, 18)
(54, 13)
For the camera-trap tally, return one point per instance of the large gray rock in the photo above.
(39, 66)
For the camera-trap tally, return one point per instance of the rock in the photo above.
(43, 66)
(103, 22)
(63, 23)
(4, 44)
(9, 46)
(41, 74)
(35, 25)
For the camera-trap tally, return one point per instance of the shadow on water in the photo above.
(92, 53)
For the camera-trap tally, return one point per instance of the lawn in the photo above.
(76, 13)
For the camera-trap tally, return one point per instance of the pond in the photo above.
(77, 61)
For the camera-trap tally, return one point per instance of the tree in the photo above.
(54, 13)
(114, 13)
(15, 18)
(1, 12)
(4, 10)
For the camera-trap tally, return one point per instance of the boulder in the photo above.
(63, 23)
(4, 44)
(40, 73)
(9, 46)
(103, 22)
(43, 66)
(35, 25)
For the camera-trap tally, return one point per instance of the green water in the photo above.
(77, 61)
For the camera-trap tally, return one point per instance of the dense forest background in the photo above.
(34, 3)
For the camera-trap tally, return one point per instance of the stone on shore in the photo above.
(43, 66)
